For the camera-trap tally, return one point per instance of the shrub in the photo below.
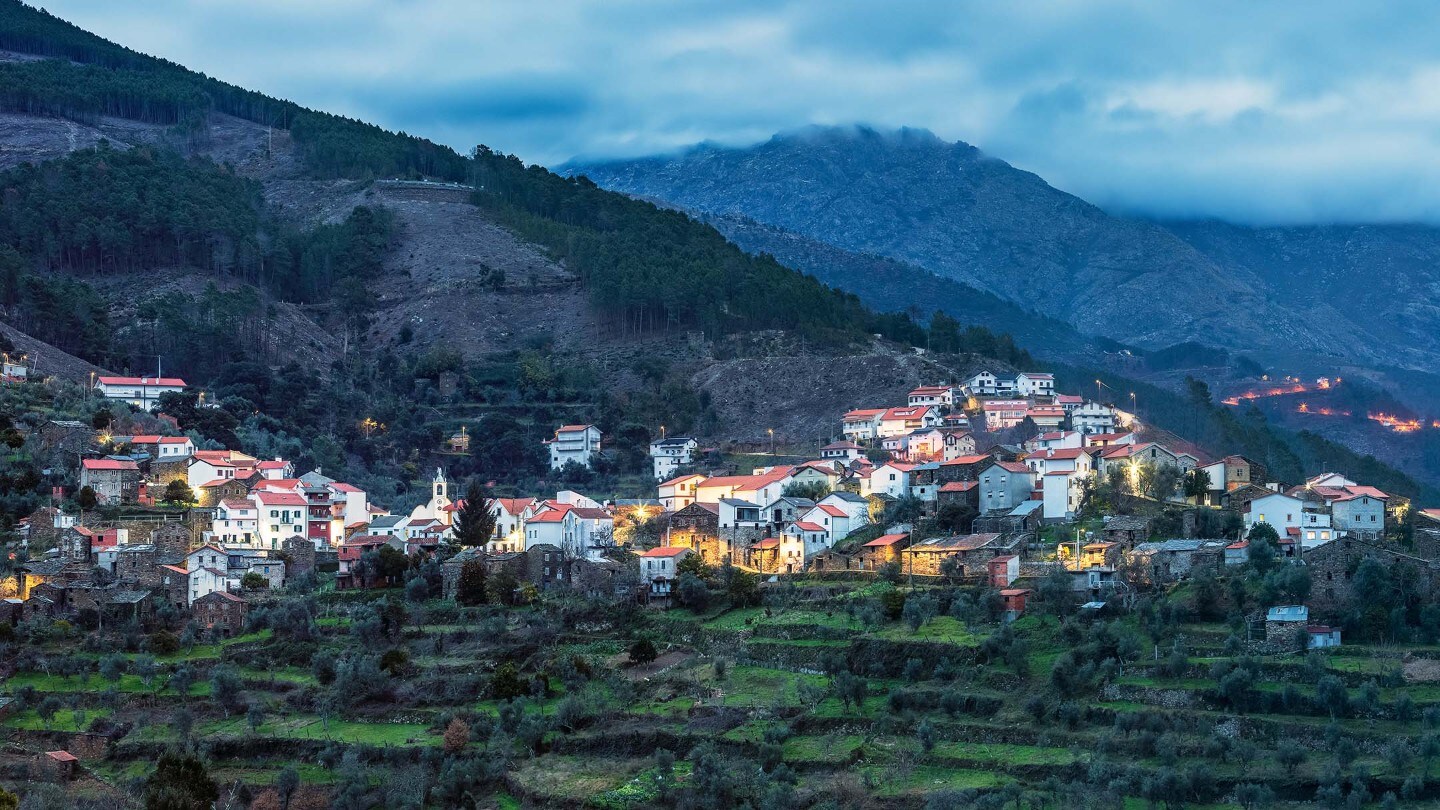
(643, 651)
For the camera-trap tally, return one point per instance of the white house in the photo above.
(764, 487)
(1093, 417)
(678, 493)
(900, 421)
(577, 443)
(861, 425)
(1002, 414)
(1061, 492)
(804, 540)
(142, 392)
(509, 524)
(555, 526)
(207, 466)
(982, 384)
(1066, 459)
(842, 451)
(891, 478)
(937, 395)
(658, 567)
(1005, 485)
(282, 515)
(851, 504)
(737, 513)
(1034, 384)
(163, 448)
(206, 568)
(1281, 512)
(594, 530)
(236, 523)
(836, 521)
(670, 454)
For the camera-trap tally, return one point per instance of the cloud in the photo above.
(1325, 111)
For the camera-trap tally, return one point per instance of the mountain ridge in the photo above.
(956, 212)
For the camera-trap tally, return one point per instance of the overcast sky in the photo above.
(1279, 112)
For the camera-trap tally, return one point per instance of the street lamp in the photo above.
(771, 431)
(1134, 403)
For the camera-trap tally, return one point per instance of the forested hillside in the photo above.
(646, 271)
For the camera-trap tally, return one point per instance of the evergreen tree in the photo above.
(475, 523)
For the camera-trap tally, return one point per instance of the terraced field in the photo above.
(820, 696)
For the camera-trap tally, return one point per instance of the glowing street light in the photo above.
(771, 431)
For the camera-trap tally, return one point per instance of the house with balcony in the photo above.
(574, 443)
(670, 454)
(142, 392)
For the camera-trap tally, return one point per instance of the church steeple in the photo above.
(439, 487)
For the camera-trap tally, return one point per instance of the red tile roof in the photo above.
(832, 511)
(966, 460)
(268, 498)
(958, 486)
(766, 544)
(108, 464)
(665, 551)
(1012, 466)
(161, 381)
(886, 540)
(514, 506)
(807, 526)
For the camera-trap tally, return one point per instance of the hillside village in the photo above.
(991, 480)
(341, 468)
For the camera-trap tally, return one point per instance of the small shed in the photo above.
(60, 764)
(1282, 621)
(1322, 636)
(1126, 529)
(1237, 553)
(1014, 602)
(1005, 570)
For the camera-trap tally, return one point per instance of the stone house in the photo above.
(883, 550)
(299, 554)
(1332, 566)
(973, 553)
(1167, 561)
(451, 568)
(1126, 530)
(220, 612)
(697, 527)
(1022, 518)
(113, 480)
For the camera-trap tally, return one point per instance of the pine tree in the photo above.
(475, 524)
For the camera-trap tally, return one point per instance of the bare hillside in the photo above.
(48, 361)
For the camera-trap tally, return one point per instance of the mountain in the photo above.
(889, 285)
(963, 215)
(316, 274)
(1383, 280)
